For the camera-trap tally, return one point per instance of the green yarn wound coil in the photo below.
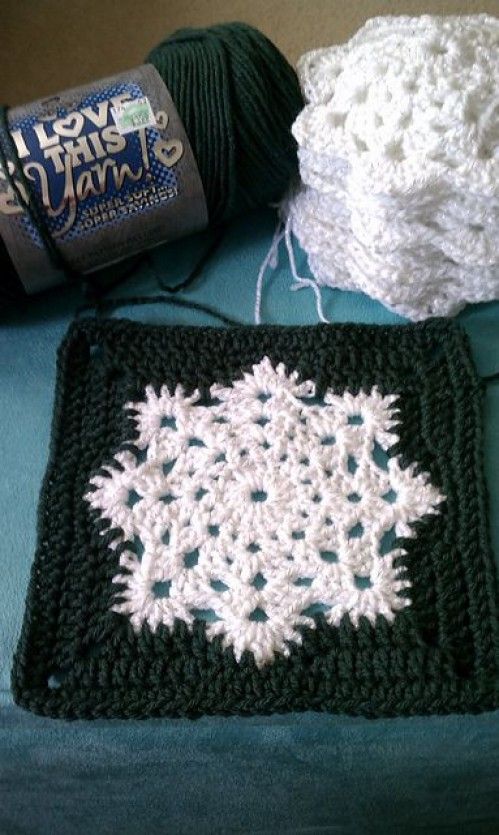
(237, 97)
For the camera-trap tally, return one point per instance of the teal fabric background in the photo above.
(307, 773)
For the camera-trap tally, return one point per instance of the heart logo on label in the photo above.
(70, 126)
(168, 152)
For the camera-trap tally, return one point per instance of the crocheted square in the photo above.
(257, 520)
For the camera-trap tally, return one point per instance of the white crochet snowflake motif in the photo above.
(259, 508)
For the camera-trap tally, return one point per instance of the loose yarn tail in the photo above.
(270, 260)
(300, 281)
(283, 232)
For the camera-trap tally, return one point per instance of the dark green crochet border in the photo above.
(439, 656)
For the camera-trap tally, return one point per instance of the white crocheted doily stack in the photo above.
(399, 161)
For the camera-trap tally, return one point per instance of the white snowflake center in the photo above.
(260, 508)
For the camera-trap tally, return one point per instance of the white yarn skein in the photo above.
(399, 161)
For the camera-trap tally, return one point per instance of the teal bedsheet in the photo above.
(308, 773)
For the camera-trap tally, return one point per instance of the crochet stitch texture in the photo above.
(259, 506)
(261, 519)
(399, 160)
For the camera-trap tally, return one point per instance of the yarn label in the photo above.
(133, 115)
(111, 167)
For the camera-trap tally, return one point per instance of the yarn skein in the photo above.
(237, 97)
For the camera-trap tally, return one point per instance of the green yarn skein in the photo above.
(237, 96)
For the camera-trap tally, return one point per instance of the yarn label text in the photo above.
(111, 167)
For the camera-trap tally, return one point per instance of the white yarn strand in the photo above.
(283, 231)
(300, 281)
(270, 260)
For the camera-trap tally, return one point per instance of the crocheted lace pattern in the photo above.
(261, 519)
(260, 507)
(399, 160)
